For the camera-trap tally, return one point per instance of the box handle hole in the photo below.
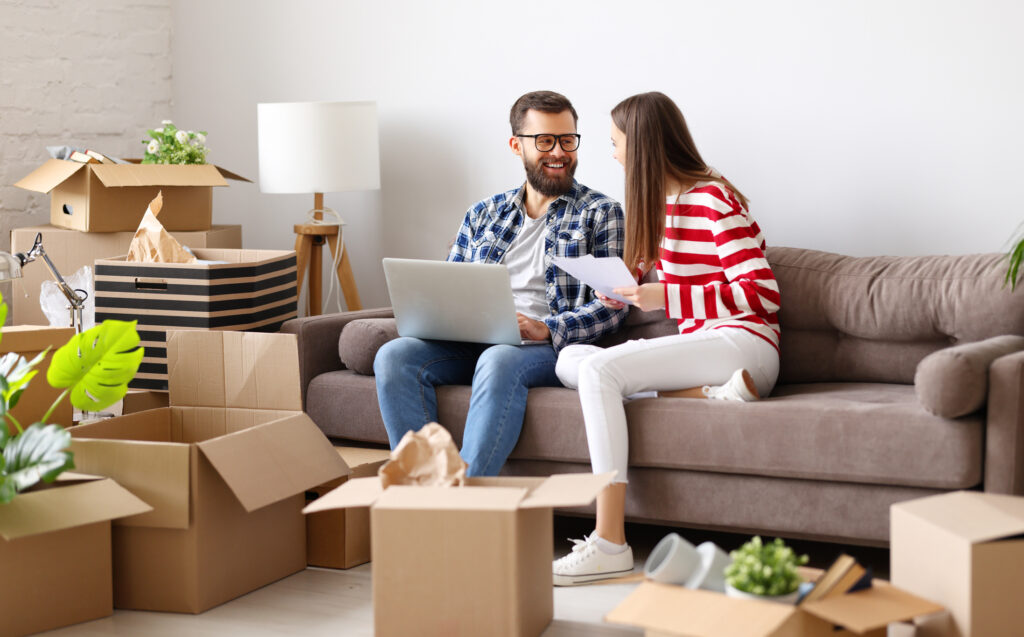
(150, 284)
(68, 210)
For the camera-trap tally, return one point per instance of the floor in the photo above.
(325, 602)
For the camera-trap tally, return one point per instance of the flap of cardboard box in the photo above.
(270, 462)
(50, 175)
(72, 501)
(137, 451)
(122, 175)
(33, 338)
(227, 174)
(674, 610)
(358, 492)
(567, 489)
(451, 498)
(873, 608)
(248, 370)
(973, 516)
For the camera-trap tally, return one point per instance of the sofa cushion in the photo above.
(873, 319)
(953, 382)
(847, 432)
(360, 340)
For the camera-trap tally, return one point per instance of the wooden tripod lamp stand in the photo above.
(318, 147)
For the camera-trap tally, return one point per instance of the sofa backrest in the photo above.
(872, 319)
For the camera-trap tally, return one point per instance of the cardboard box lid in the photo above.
(971, 515)
(681, 611)
(569, 489)
(247, 370)
(56, 171)
(74, 500)
(50, 175)
(33, 338)
(270, 462)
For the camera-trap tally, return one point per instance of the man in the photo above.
(550, 215)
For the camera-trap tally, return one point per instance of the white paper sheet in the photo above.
(601, 273)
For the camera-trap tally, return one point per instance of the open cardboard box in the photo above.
(55, 552)
(341, 538)
(70, 250)
(225, 467)
(472, 560)
(966, 550)
(663, 609)
(114, 197)
(29, 341)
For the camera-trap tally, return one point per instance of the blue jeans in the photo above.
(407, 370)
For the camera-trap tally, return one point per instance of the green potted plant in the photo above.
(1015, 255)
(171, 145)
(94, 367)
(764, 571)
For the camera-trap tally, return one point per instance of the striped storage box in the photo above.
(253, 290)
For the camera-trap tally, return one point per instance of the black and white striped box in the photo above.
(252, 290)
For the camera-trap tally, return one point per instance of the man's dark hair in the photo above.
(543, 101)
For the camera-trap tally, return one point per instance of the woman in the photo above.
(690, 223)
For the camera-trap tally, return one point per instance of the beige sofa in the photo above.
(901, 377)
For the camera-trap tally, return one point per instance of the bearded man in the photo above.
(550, 215)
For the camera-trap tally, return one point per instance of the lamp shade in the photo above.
(310, 147)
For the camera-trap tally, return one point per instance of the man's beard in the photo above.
(550, 186)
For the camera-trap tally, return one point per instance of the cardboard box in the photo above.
(966, 550)
(473, 560)
(55, 553)
(663, 609)
(137, 400)
(225, 468)
(114, 197)
(29, 341)
(255, 290)
(341, 538)
(70, 250)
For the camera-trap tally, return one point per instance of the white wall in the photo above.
(875, 127)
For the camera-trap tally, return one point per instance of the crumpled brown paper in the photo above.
(427, 457)
(152, 243)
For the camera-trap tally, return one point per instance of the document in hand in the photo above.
(601, 273)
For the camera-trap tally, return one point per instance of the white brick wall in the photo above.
(93, 73)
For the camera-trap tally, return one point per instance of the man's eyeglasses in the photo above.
(545, 143)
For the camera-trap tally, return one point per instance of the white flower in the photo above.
(166, 122)
(153, 147)
(201, 138)
(181, 136)
(159, 131)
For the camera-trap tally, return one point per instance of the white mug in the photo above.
(673, 561)
(711, 574)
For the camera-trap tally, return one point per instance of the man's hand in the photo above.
(649, 296)
(532, 330)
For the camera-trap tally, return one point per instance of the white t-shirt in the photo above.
(525, 262)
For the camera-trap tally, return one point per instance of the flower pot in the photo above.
(789, 598)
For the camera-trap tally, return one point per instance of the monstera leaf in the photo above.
(97, 365)
(38, 453)
(16, 371)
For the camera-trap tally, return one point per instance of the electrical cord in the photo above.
(335, 258)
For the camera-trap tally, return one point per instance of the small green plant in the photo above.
(171, 145)
(765, 569)
(94, 367)
(1015, 256)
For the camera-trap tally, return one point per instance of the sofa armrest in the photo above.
(1004, 439)
(318, 341)
(954, 381)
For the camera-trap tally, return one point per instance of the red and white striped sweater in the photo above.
(713, 265)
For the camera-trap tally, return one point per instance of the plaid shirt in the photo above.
(582, 221)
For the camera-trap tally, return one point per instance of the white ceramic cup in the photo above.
(711, 573)
(673, 561)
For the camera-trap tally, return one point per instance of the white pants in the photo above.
(605, 376)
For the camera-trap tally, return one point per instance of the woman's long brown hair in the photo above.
(658, 145)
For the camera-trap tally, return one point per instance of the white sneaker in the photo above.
(588, 563)
(740, 386)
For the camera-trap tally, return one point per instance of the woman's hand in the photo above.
(610, 303)
(649, 296)
(532, 330)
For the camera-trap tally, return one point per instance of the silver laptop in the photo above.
(470, 302)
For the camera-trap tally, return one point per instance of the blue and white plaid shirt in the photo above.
(582, 221)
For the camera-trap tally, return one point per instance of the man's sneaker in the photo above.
(740, 386)
(588, 563)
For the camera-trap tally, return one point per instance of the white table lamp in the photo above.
(318, 147)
